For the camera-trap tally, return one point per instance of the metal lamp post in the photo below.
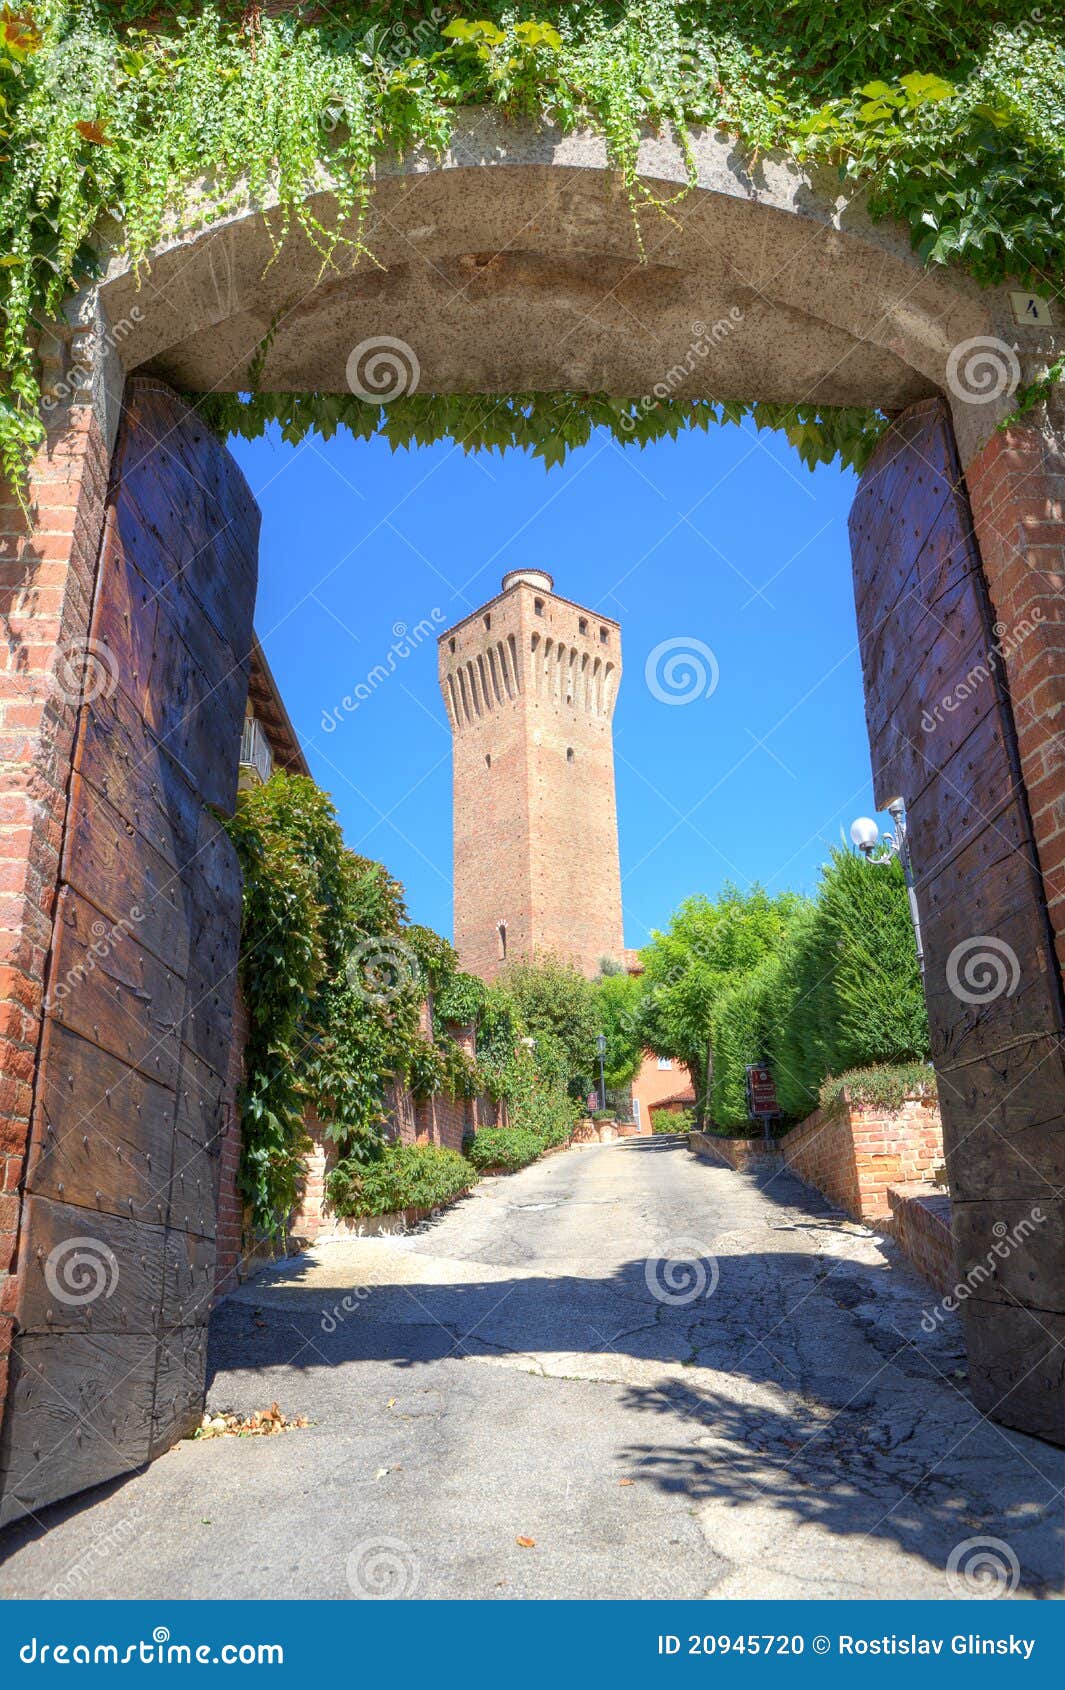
(600, 1045)
(867, 836)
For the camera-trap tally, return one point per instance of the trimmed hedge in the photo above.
(504, 1147)
(842, 993)
(404, 1176)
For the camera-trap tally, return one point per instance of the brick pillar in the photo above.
(1016, 484)
(47, 568)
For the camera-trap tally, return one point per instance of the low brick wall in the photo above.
(738, 1153)
(855, 1152)
(920, 1225)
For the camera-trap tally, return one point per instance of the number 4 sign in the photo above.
(1029, 309)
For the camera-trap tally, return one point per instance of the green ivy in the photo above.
(885, 1086)
(950, 112)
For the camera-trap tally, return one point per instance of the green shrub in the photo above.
(404, 1176)
(673, 1121)
(504, 1147)
(886, 1086)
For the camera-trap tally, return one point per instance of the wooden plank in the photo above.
(189, 1276)
(126, 879)
(193, 1187)
(207, 1022)
(125, 1000)
(1002, 1131)
(1017, 1365)
(201, 1105)
(179, 1387)
(1016, 1249)
(79, 1412)
(121, 758)
(89, 1271)
(112, 1150)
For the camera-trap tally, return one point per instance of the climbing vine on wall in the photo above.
(950, 112)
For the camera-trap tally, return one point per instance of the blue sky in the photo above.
(723, 539)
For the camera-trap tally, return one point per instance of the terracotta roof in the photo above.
(685, 1096)
(265, 701)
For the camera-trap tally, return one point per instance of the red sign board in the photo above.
(761, 1092)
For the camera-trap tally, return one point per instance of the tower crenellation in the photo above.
(530, 681)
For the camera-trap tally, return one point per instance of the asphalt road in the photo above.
(764, 1418)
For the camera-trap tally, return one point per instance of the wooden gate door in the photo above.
(116, 1249)
(942, 736)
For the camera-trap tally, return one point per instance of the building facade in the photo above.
(529, 682)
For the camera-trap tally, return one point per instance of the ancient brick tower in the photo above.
(529, 682)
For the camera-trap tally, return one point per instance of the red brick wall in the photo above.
(47, 571)
(738, 1153)
(854, 1153)
(920, 1224)
(1017, 491)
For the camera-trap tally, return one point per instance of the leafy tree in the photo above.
(558, 1007)
(620, 1000)
(708, 947)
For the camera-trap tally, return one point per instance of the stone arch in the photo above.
(511, 265)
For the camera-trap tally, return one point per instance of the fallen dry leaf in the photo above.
(264, 1423)
(626, 1481)
(527, 1542)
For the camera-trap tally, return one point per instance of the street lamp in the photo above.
(867, 836)
(600, 1045)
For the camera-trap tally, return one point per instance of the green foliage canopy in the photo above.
(951, 113)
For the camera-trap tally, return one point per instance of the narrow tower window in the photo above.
(451, 644)
(538, 606)
(488, 621)
(569, 754)
(604, 635)
(502, 931)
(582, 624)
(488, 759)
